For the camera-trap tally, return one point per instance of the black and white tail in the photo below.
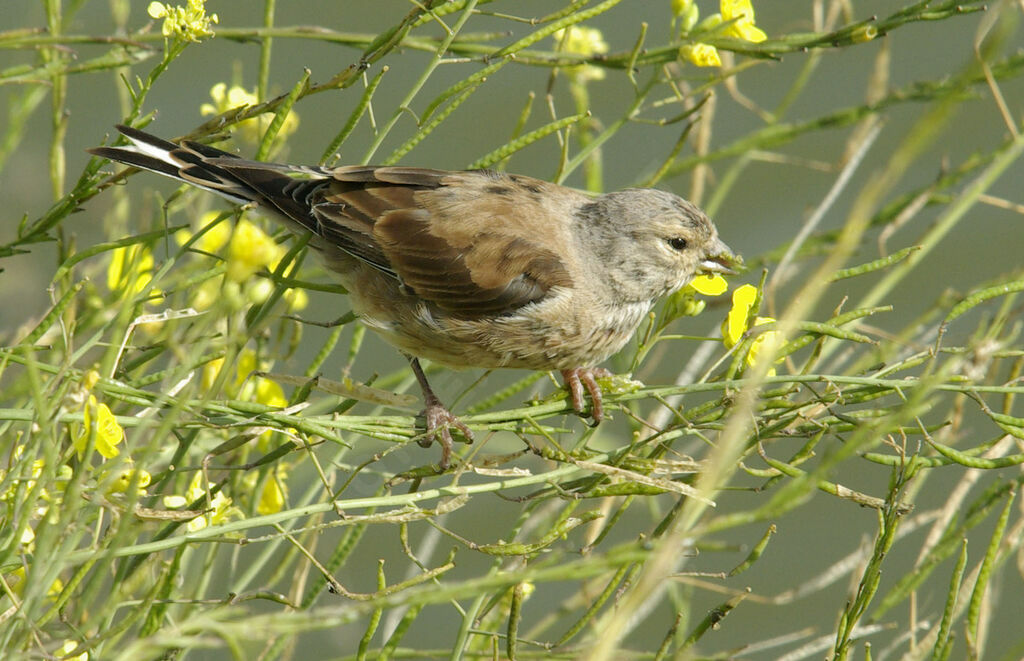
(283, 191)
(339, 206)
(190, 162)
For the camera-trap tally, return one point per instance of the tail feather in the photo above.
(187, 162)
(137, 159)
(339, 206)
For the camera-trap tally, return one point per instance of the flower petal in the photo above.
(736, 323)
(710, 285)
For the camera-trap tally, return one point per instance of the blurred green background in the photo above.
(765, 210)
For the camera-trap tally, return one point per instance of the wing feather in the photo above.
(464, 242)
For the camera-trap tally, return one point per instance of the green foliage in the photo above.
(235, 506)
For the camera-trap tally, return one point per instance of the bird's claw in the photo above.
(586, 377)
(439, 422)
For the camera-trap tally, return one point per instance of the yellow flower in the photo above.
(37, 470)
(269, 392)
(174, 501)
(130, 269)
(245, 366)
(259, 290)
(213, 239)
(764, 344)
(709, 285)
(217, 511)
(246, 386)
(250, 250)
(741, 15)
(216, 237)
(703, 55)
(188, 23)
(684, 303)
(229, 98)
(735, 324)
(210, 292)
(256, 388)
(90, 379)
(28, 536)
(108, 432)
(743, 27)
(297, 299)
(124, 480)
(272, 493)
(582, 41)
(210, 372)
(16, 581)
(68, 647)
(738, 322)
(271, 497)
(260, 389)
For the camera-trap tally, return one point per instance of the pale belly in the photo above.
(563, 331)
(526, 341)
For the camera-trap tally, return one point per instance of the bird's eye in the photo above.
(677, 243)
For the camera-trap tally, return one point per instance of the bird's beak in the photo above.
(719, 259)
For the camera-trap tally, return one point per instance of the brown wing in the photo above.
(467, 242)
(449, 237)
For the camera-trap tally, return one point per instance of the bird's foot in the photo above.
(579, 378)
(439, 422)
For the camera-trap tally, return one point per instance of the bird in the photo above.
(472, 268)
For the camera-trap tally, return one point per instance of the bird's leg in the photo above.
(439, 420)
(579, 378)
